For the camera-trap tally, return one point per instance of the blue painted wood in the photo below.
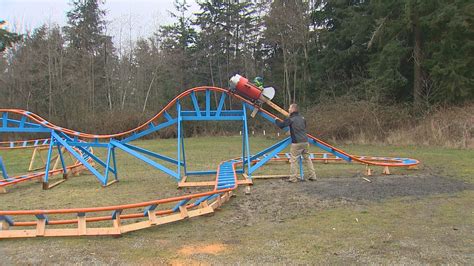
(4, 170)
(208, 102)
(74, 153)
(149, 208)
(153, 154)
(116, 214)
(210, 172)
(221, 104)
(195, 103)
(263, 161)
(181, 203)
(7, 219)
(144, 159)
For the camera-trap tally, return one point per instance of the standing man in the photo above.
(299, 142)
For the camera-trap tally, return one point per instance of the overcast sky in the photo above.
(145, 15)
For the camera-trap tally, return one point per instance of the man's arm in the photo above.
(283, 124)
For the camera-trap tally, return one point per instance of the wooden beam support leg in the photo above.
(4, 225)
(183, 211)
(81, 224)
(368, 171)
(40, 227)
(152, 217)
(32, 161)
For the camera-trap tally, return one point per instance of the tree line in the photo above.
(417, 52)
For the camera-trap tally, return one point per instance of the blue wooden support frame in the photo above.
(48, 158)
(208, 114)
(195, 103)
(152, 154)
(267, 150)
(281, 146)
(179, 136)
(63, 142)
(86, 152)
(152, 128)
(143, 158)
(246, 151)
(9, 125)
(61, 157)
(221, 104)
(4, 170)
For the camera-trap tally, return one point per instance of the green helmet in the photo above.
(258, 81)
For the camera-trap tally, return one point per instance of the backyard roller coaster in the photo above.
(191, 105)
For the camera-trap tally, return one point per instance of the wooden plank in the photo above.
(200, 211)
(274, 106)
(135, 226)
(32, 161)
(56, 183)
(169, 219)
(116, 221)
(40, 227)
(254, 112)
(197, 184)
(81, 225)
(111, 183)
(368, 171)
(103, 231)
(244, 182)
(59, 232)
(183, 211)
(4, 225)
(17, 233)
(152, 217)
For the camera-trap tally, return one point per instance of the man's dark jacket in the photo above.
(297, 126)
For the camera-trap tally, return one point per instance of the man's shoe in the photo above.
(292, 180)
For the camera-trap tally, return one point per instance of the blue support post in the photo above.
(4, 170)
(178, 155)
(115, 163)
(208, 103)
(195, 103)
(246, 141)
(221, 104)
(48, 161)
(61, 157)
(184, 154)
(109, 155)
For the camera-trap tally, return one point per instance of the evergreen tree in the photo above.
(7, 38)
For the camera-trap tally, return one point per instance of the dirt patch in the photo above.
(185, 262)
(383, 187)
(278, 201)
(212, 249)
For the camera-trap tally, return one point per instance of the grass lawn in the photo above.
(411, 216)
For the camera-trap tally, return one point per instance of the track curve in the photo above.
(203, 202)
